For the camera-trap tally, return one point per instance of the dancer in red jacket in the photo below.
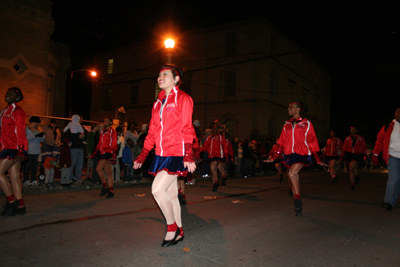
(107, 146)
(13, 144)
(171, 131)
(354, 148)
(217, 148)
(297, 142)
(277, 162)
(333, 149)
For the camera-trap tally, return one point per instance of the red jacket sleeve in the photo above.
(20, 117)
(186, 118)
(224, 146)
(379, 141)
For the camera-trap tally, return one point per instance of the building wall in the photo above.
(26, 27)
(268, 69)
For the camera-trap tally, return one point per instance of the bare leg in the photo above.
(221, 168)
(294, 178)
(99, 170)
(353, 171)
(108, 169)
(332, 167)
(214, 171)
(15, 180)
(5, 165)
(165, 192)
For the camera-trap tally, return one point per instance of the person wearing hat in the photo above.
(13, 145)
(34, 137)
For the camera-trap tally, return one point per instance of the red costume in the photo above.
(107, 142)
(216, 146)
(12, 128)
(359, 145)
(383, 141)
(333, 146)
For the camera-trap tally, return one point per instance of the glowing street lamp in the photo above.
(169, 44)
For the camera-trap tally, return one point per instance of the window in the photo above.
(272, 84)
(20, 67)
(107, 99)
(230, 44)
(110, 66)
(230, 84)
(230, 126)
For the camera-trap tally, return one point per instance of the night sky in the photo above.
(356, 41)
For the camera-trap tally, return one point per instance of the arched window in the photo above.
(272, 84)
(107, 99)
(230, 125)
(230, 84)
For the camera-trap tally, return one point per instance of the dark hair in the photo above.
(35, 119)
(18, 91)
(303, 108)
(118, 129)
(53, 121)
(175, 71)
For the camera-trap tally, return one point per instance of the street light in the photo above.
(92, 73)
(169, 44)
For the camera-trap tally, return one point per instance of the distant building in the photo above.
(244, 73)
(29, 59)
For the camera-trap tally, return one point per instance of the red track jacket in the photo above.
(216, 146)
(299, 139)
(171, 124)
(333, 145)
(12, 127)
(359, 147)
(108, 141)
(383, 141)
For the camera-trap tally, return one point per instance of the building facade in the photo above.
(30, 60)
(244, 73)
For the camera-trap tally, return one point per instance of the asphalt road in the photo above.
(250, 222)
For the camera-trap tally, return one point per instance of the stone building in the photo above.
(29, 59)
(244, 73)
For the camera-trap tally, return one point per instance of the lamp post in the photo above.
(169, 45)
(92, 73)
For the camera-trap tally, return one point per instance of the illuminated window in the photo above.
(110, 66)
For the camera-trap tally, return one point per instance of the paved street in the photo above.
(250, 222)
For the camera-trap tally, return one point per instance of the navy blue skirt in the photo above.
(289, 160)
(172, 165)
(10, 154)
(220, 160)
(106, 156)
(348, 156)
(332, 157)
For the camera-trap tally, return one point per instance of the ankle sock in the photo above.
(104, 185)
(21, 202)
(296, 196)
(10, 198)
(112, 189)
(180, 191)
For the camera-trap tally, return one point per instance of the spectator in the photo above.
(65, 163)
(92, 140)
(56, 132)
(34, 137)
(120, 147)
(388, 142)
(127, 159)
(132, 133)
(49, 158)
(78, 143)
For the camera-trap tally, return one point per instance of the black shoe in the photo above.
(223, 182)
(18, 210)
(182, 199)
(357, 180)
(387, 206)
(298, 207)
(353, 187)
(9, 208)
(167, 243)
(110, 195)
(104, 191)
(215, 187)
(281, 178)
(180, 239)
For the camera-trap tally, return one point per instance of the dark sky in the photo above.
(356, 41)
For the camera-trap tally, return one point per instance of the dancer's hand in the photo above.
(269, 160)
(137, 165)
(191, 166)
(323, 164)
